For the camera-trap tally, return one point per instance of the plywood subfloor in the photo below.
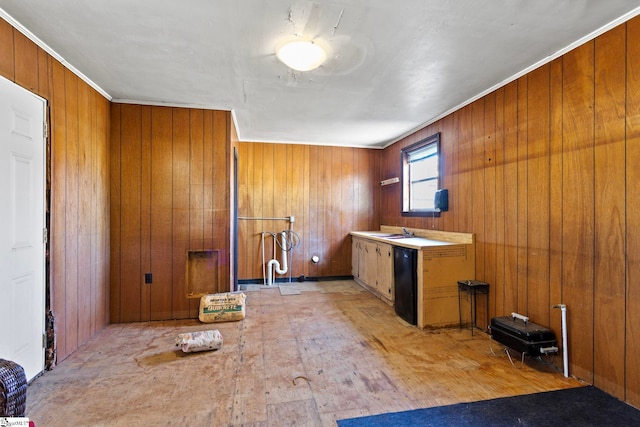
(327, 351)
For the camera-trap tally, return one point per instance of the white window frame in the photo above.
(406, 154)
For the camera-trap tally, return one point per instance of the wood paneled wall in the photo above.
(170, 190)
(330, 191)
(544, 172)
(79, 185)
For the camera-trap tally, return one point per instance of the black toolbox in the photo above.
(518, 333)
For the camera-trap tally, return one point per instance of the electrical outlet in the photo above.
(148, 278)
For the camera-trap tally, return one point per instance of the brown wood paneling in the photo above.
(388, 192)
(347, 207)
(465, 168)
(85, 211)
(609, 275)
(100, 178)
(7, 61)
(489, 198)
(332, 219)
(196, 180)
(232, 155)
(115, 183)
(578, 204)
(510, 176)
(130, 213)
(497, 291)
(45, 75)
(278, 198)
(103, 217)
(326, 261)
(245, 168)
(92, 208)
(632, 157)
(555, 193)
(145, 212)
(72, 201)
(320, 187)
(315, 215)
(221, 177)
(255, 209)
(537, 196)
(366, 183)
(522, 187)
(58, 206)
(446, 147)
(256, 227)
(297, 185)
(478, 183)
(26, 62)
(196, 193)
(267, 201)
(181, 194)
(79, 245)
(373, 179)
(209, 183)
(170, 195)
(305, 263)
(161, 213)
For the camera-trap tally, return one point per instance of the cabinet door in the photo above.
(385, 270)
(367, 263)
(355, 249)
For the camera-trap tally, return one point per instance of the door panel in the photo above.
(21, 227)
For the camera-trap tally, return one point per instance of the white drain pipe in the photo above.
(274, 263)
(565, 351)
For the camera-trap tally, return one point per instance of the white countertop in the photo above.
(399, 240)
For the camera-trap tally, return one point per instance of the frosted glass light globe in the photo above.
(301, 55)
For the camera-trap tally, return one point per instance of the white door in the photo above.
(22, 143)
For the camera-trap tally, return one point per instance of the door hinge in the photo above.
(44, 340)
(45, 130)
(45, 236)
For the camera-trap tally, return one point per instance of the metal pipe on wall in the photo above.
(257, 218)
(565, 351)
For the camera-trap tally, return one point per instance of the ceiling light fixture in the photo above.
(301, 55)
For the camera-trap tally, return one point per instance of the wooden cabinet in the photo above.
(439, 269)
(443, 259)
(372, 266)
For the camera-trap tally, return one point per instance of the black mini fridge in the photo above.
(405, 282)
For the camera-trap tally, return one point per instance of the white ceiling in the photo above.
(393, 66)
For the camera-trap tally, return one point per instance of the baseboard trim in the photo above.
(302, 278)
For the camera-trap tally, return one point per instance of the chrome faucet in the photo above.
(407, 233)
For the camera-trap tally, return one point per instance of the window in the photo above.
(420, 177)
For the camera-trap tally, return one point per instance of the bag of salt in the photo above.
(199, 341)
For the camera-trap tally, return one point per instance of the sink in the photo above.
(391, 236)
